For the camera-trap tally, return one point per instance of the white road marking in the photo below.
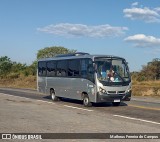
(27, 98)
(77, 108)
(45, 102)
(134, 99)
(15, 96)
(137, 119)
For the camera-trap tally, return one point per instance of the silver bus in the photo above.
(81, 76)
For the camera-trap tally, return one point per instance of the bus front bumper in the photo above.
(113, 97)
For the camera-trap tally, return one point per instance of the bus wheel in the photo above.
(53, 96)
(86, 101)
(116, 103)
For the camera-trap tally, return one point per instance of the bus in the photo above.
(81, 76)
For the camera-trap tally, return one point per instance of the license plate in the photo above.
(117, 100)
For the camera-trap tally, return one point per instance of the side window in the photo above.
(42, 68)
(84, 68)
(62, 68)
(73, 68)
(87, 69)
(51, 68)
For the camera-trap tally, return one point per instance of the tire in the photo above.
(116, 103)
(86, 101)
(53, 96)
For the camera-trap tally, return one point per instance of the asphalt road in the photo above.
(23, 110)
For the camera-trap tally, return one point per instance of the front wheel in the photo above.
(53, 96)
(86, 101)
(116, 103)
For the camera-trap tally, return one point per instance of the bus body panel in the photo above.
(70, 87)
(42, 85)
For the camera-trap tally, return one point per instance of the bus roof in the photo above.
(78, 56)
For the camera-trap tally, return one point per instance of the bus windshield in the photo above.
(112, 70)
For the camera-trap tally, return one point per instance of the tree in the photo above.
(151, 71)
(5, 66)
(52, 51)
(32, 69)
(18, 67)
(156, 65)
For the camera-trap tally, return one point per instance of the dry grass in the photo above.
(21, 82)
(147, 83)
(146, 88)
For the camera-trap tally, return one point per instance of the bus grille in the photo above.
(116, 92)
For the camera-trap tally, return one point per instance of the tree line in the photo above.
(11, 69)
(151, 71)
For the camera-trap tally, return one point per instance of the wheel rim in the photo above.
(86, 100)
(52, 96)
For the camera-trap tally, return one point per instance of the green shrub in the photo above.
(13, 75)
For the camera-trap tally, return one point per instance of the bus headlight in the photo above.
(102, 90)
(129, 90)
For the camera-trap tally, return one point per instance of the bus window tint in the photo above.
(90, 70)
(42, 68)
(51, 68)
(87, 69)
(62, 68)
(84, 68)
(73, 68)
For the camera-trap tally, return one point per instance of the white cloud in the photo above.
(142, 13)
(141, 40)
(134, 4)
(80, 30)
(157, 9)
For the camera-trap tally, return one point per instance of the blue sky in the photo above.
(129, 29)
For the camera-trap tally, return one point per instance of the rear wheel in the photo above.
(86, 101)
(116, 103)
(53, 96)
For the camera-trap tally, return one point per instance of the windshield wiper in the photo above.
(119, 76)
